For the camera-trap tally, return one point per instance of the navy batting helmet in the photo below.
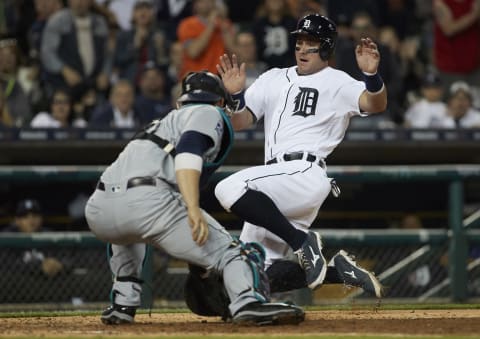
(320, 28)
(205, 87)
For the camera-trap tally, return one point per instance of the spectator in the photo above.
(121, 10)
(272, 30)
(29, 219)
(242, 12)
(5, 118)
(32, 75)
(74, 49)
(411, 58)
(429, 111)
(17, 16)
(400, 14)
(175, 65)
(456, 42)
(16, 100)
(460, 112)
(205, 36)
(153, 100)
(345, 10)
(389, 69)
(119, 112)
(60, 115)
(247, 53)
(84, 107)
(44, 10)
(170, 13)
(140, 44)
(300, 8)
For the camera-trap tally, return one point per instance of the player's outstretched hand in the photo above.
(199, 225)
(233, 76)
(367, 55)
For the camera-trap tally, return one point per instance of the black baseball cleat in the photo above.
(269, 314)
(312, 260)
(117, 314)
(354, 275)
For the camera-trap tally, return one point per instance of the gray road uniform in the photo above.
(137, 202)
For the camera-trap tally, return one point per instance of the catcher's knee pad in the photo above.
(205, 293)
(254, 254)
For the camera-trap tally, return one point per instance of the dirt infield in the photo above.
(441, 322)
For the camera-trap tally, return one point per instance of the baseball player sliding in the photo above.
(306, 110)
(150, 195)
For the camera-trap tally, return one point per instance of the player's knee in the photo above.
(228, 191)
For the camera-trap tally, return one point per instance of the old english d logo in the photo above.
(305, 102)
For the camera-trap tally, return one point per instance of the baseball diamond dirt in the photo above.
(406, 322)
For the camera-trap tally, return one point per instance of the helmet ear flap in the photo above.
(327, 46)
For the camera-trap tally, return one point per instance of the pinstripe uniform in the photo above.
(306, 114)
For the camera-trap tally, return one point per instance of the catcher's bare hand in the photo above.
(199, 225)
(233, 76)
(367, 55)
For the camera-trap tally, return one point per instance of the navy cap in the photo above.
(431, 80)
(27, 206)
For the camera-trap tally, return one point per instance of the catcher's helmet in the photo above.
(205, 87)
(320, 28)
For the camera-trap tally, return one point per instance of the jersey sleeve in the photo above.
(206, 120)
(348, 99)
(256, 94)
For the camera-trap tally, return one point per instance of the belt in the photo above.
(298, 156)
(133, 182)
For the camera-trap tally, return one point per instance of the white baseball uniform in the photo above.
(303, 113)
(426, 114)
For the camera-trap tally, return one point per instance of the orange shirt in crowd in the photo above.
(191, 28)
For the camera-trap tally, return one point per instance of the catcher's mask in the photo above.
(320, 28)
(204, 87)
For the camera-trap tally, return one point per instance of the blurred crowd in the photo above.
(119, 63)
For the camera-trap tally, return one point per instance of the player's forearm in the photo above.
(188, 183)
(375, 102)
(242, 120)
